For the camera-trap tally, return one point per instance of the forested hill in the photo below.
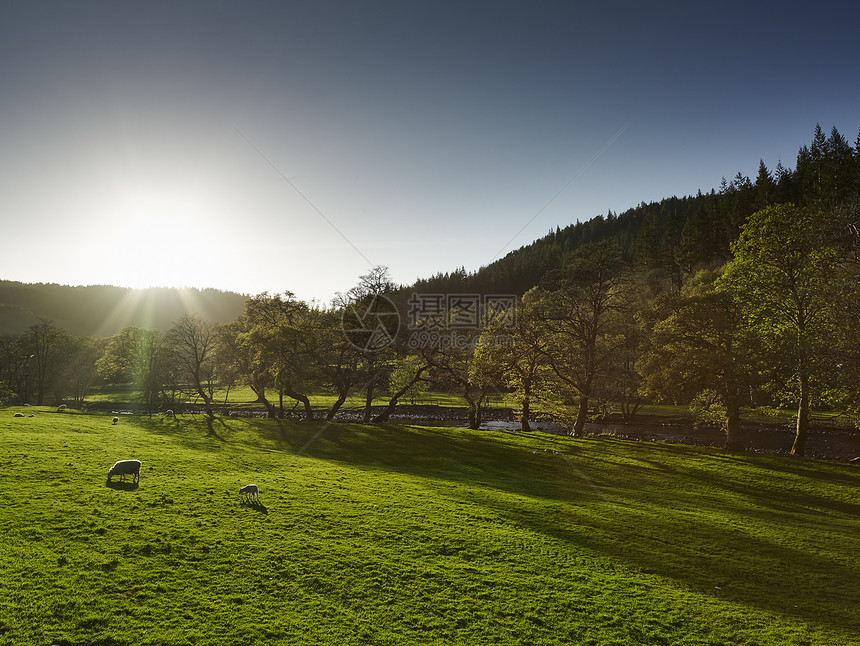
(102, 310)
(677, 235)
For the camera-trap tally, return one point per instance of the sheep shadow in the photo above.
(255, 504)
(120, 485)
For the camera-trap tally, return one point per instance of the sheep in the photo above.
(61, 408)
(18, 415)
(115, 420)
(124, 468)
(168, 413)
(250, 491)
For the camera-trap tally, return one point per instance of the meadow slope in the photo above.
(398, 535)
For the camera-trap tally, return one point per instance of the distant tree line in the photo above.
(676, 235)
(102, 310)
(746, 298)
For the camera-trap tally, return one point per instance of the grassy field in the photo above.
(243, 397)
(406, 535)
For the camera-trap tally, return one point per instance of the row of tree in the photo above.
(779, 323)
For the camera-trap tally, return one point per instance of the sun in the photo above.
(160, 237)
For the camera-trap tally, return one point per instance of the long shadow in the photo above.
(657, 507)
(119, 485)
(664, 532)
(255, 505)
(210, 425)
(647, 511)
(198, 433)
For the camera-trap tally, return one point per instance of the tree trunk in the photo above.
(271, 411)
(474, 418)
(799, 447)
(581, 417)
(526, 410)
(734, 441)
(335, 407)
(309, 412)
(368, 402)
(392, 403)
(207, 402)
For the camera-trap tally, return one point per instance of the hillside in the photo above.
(398, 534)
(101, 310)
(677, 234)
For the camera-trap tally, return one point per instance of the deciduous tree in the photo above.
(785, 278)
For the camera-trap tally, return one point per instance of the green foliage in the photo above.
(708, 408)
(391, 534)
(402, 375)
(6, 393)
(788, 281)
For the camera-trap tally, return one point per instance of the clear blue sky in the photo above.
(277, 146)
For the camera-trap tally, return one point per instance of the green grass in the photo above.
(122, 396)
(403, 535)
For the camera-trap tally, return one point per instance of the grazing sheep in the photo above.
(250, 491)
(18, 415)
(124, 468)
(168, 413)
(115, 420)
(61, 408)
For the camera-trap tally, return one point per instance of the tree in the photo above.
(43, 344)
(784, 276)
(136, 355)
(192, 342)
(277, 338)
(371, 324)
(577, 312)
(79, 372)
(452, 362)
(514, 355)
(407, 380)
(12, 367)
(242, 354)
(765, 187)
(695, 346)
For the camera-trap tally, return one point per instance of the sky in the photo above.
(291, 146)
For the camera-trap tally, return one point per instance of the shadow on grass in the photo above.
(726, 526)
(745, 527)
(256, 505)
(770, 532)
(119, 485)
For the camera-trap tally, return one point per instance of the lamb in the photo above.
(124, 468)
(250, 491)
(115, 420)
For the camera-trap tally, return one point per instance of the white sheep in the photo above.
(19, 415)
(251, 491)
(124, 468)
(115, 420)
(168, 413)
(61, 408)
